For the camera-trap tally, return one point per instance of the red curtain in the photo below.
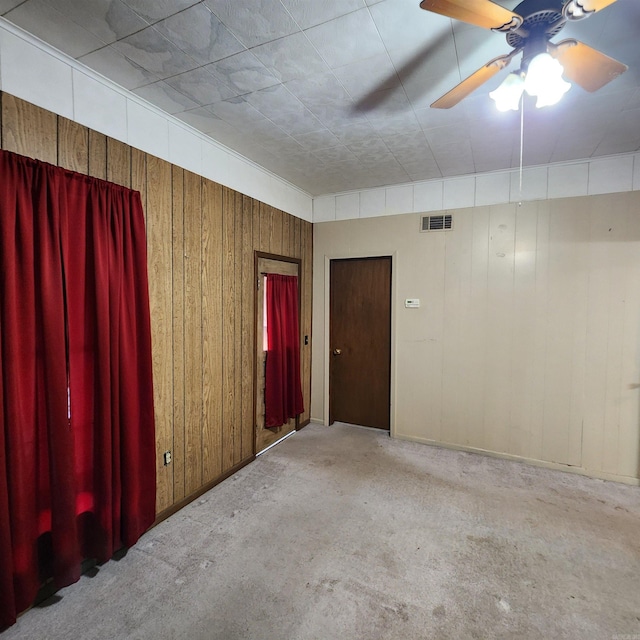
(283, 392)
(77, 437)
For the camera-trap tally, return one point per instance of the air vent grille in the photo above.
(436, 223)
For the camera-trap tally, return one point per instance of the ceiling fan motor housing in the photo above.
(542, 20)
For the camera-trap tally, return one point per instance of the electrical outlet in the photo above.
(167, 458)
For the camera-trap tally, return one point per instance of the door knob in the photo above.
(337, 352)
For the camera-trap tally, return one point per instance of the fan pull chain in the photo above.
(521, 145)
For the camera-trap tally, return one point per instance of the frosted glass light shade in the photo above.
(544, 80)
(507, 95)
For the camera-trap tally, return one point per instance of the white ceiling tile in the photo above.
(7, 5)
(243, 72)
(254, 22)
(309, 14)
(165, 97)
(118, 68)
(152, 51)
(109, 20)
(291, 57)
(201, 86)
(236, 112)
(277, 104)
(318, 140)
(368, 77)
(354, 132)
(202, 119)
(347, 39)
(154, 10)
(200, 34)
(403, 24)
(334, 154)
(42, 20)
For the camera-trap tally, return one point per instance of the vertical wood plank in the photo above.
(255, 215)
(119, 164)
(286, 227)
(177, 273)
(29, 130)
(239, 338)
(98, 159)
(297, 251)
(212, 329)
(73, 146)
(265, 227)
(159, 233)
(193, 331)
(275, 239)
(138, 175)
(228, 328)
(248, 328)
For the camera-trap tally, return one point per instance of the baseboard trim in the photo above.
(163, 515)
(556, 466)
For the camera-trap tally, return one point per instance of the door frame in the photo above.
(327, 324)
(257, 255)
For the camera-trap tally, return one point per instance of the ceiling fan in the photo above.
(529, 29)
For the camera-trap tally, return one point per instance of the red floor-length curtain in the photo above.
(77, 437)
(283, 391)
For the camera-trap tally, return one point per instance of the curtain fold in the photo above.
(283, 391)
(77, 441)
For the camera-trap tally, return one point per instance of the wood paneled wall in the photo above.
(201, 239)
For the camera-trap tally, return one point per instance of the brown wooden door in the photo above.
(360, 341)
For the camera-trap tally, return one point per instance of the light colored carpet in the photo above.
(341, 532)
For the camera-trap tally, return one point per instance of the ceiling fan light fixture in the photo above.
(544, 80)
(507, 95)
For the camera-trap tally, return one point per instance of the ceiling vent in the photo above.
(436, 223)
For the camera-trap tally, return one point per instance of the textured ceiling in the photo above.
(334, 95)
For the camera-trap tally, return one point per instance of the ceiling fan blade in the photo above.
(482, 13)
(589, 68)
(590, 6)
(470, 84)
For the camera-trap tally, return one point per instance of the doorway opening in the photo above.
(269, 264)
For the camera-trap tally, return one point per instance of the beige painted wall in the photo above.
(527, 341)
